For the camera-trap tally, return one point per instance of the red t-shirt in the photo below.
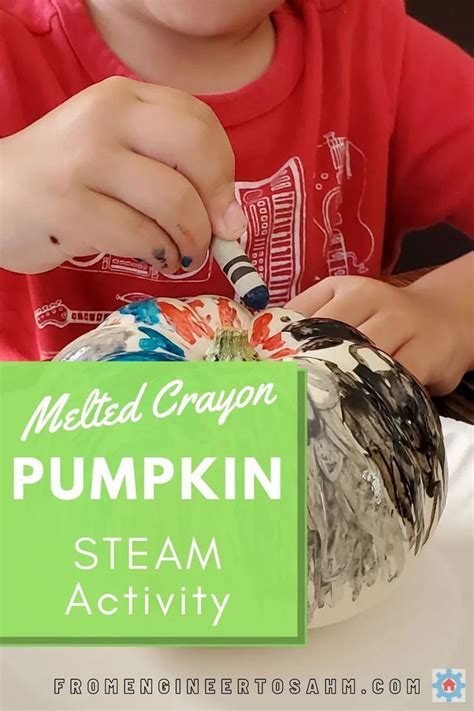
(361, 129)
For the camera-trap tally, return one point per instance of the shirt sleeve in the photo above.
(431, 177)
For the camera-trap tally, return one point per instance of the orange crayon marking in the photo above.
(227, 313)
(196, 303)
(283, 353)
(261, 337)
(187, 324)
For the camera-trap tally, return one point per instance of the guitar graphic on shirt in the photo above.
(339, 163)
(59, 315)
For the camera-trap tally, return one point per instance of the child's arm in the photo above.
(428, 326)
(118, 169)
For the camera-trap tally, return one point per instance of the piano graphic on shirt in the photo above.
(340, 191)
(59, 315)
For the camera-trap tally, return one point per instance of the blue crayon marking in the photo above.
(257, 299)
(144, 311)
(156, 340)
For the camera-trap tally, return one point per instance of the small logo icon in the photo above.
(448, 685)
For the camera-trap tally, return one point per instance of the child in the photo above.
(350, 124)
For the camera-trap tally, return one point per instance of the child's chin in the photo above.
(208, 18)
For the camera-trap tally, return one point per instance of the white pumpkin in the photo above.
(376, 463)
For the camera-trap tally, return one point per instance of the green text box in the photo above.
(251, 589)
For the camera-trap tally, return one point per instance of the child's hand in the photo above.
(125, 168)
(415, 327)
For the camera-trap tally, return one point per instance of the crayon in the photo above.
(241, 273)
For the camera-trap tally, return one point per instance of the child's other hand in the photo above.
(416, 329)
(125, 168)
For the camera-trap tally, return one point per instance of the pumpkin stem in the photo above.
(231, 344)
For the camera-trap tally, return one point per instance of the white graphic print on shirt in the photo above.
(339, 160)
(275, 208)
(127, 266)
(59, 315)
(276, 212)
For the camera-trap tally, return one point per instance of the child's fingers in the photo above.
(441, 377)
(414, 359)
(439, 381)
(112, 227)
(387, 330)
(163, 195)
(313, 299)
(348, 308)
(156, 94)
(195, 144)
(324, 300)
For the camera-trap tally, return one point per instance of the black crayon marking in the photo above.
(159, 255)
